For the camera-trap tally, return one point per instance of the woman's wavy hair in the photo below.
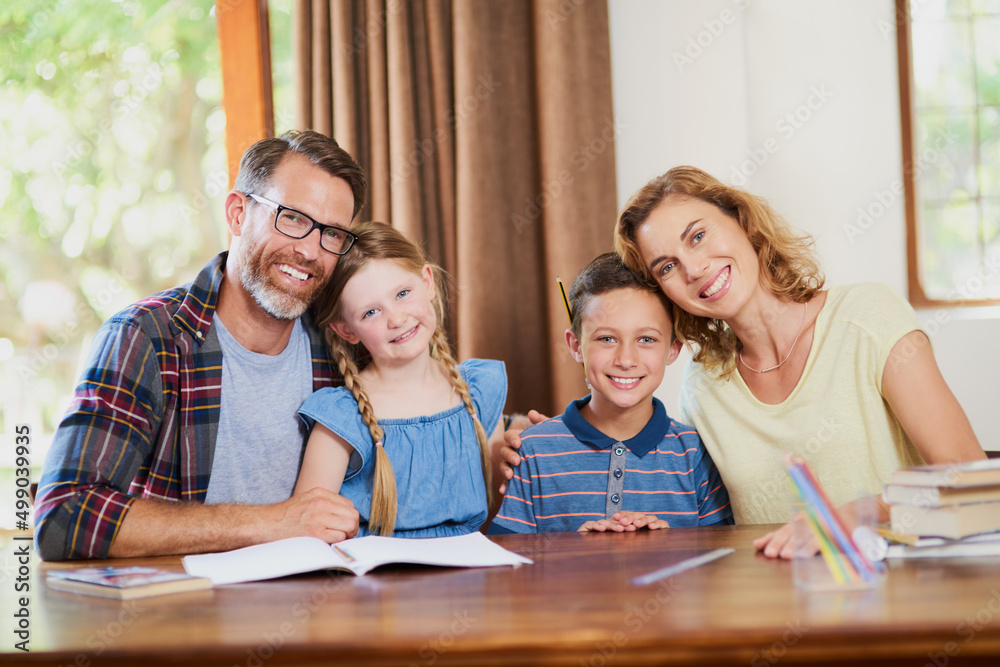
(378, 240)
(787, 264)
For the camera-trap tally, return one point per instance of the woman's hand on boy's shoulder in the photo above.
(624, 522)
(509, 457)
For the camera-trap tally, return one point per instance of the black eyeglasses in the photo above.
(297, 225)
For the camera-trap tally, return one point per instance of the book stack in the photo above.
(952, 500)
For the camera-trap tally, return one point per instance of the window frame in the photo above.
(245, 46)
(918, 297)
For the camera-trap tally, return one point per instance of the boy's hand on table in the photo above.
(640, 520)
(509, 458)
(622, 522)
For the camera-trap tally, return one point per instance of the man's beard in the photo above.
(273, 298)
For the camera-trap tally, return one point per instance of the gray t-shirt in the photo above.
(260, 441)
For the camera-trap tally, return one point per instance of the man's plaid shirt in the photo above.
(144, 418)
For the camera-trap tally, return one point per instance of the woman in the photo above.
(845, 376)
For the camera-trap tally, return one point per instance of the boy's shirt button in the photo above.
(615, 498)
(618, 472)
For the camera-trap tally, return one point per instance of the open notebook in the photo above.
(359, 555)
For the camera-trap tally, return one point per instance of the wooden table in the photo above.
(574, 606)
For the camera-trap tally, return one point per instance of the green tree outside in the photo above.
(112, 179)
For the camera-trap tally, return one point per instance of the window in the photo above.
(112, 180)
(280, 21)
(949, 59)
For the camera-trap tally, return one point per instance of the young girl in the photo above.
(404, 439)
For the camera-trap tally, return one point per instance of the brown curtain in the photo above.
(487, 133)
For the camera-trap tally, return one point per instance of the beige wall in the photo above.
(797, 100)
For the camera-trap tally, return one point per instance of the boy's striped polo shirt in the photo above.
(571, 473)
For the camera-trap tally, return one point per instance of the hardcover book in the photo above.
(977, 546)
(125, 583)
(938, 496)
(968, 473)
(952, 521)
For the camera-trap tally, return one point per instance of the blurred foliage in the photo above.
(956, 64)
(282, 65)
(112, 176)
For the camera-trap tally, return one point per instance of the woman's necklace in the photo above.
(778, 365)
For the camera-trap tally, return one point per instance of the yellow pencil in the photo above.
(569, 314)
(841, 570)
(562, 290)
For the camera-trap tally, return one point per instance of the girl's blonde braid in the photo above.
(441, 351)
(382, 519)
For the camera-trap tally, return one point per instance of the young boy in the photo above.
(614, 460)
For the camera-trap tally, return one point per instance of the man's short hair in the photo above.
(260, 160)
(604, 274)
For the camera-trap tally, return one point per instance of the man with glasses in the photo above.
(183, 435)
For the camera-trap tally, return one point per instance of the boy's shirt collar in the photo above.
(645, 441)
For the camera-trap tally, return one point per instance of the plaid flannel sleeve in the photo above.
(104, 442)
